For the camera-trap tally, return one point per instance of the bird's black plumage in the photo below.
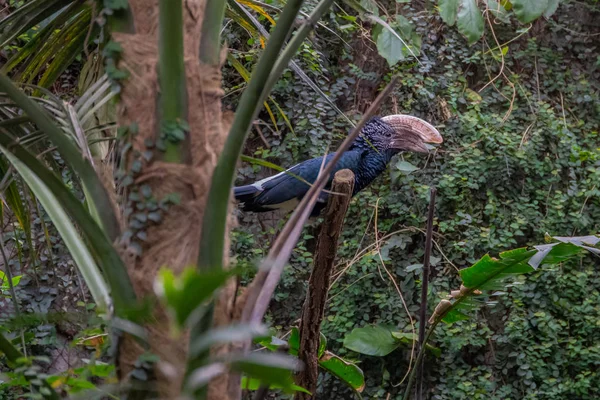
(367, 159)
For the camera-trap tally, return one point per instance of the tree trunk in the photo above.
(172, 242)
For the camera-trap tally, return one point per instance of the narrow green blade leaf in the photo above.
(322, 345)
(14, 200)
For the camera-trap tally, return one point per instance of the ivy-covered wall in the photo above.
(521, 158)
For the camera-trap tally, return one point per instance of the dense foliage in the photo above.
(520, 159)
(519, 113)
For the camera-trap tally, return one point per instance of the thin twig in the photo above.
(412, 322)
(424, 287)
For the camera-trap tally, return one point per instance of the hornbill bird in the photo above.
(368, 156)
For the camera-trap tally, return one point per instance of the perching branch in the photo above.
(318, 283)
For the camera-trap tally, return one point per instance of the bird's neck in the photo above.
(372, 165)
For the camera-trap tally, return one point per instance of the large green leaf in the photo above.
(397, 41)
(529, 10)
(372, 340)
(487, 270)
(491, 273)
(346, 371)
(448, 10)
(76, 245)
(470, 20)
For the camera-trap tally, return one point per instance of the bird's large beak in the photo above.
(412, 132)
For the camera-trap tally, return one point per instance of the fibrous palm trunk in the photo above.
(173, 242)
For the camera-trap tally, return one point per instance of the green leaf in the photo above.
(15, 201)
(272, 343)
(268, 368)
(551, 9)
(528, 10)
(470, 20)
(488, 270)
(254, 384)
(405, 167)
(78, 248)
(347, 372)
(372, 340)
(497, 10)
(448, 10)
(490, 273)
(190, 290)
(398, 41)
(322, 345)
(16, 279)
(370, 6)
(228, 334)
(454, 316)
(294, 341)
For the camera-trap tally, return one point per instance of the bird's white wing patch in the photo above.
(259, 184)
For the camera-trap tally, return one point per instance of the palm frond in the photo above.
(74, 242)
(59, 30)
(243, 13)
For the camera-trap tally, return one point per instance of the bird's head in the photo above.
(395, 133)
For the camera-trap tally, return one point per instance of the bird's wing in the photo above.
(285, 186)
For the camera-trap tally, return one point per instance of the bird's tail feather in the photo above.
(244, 193)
